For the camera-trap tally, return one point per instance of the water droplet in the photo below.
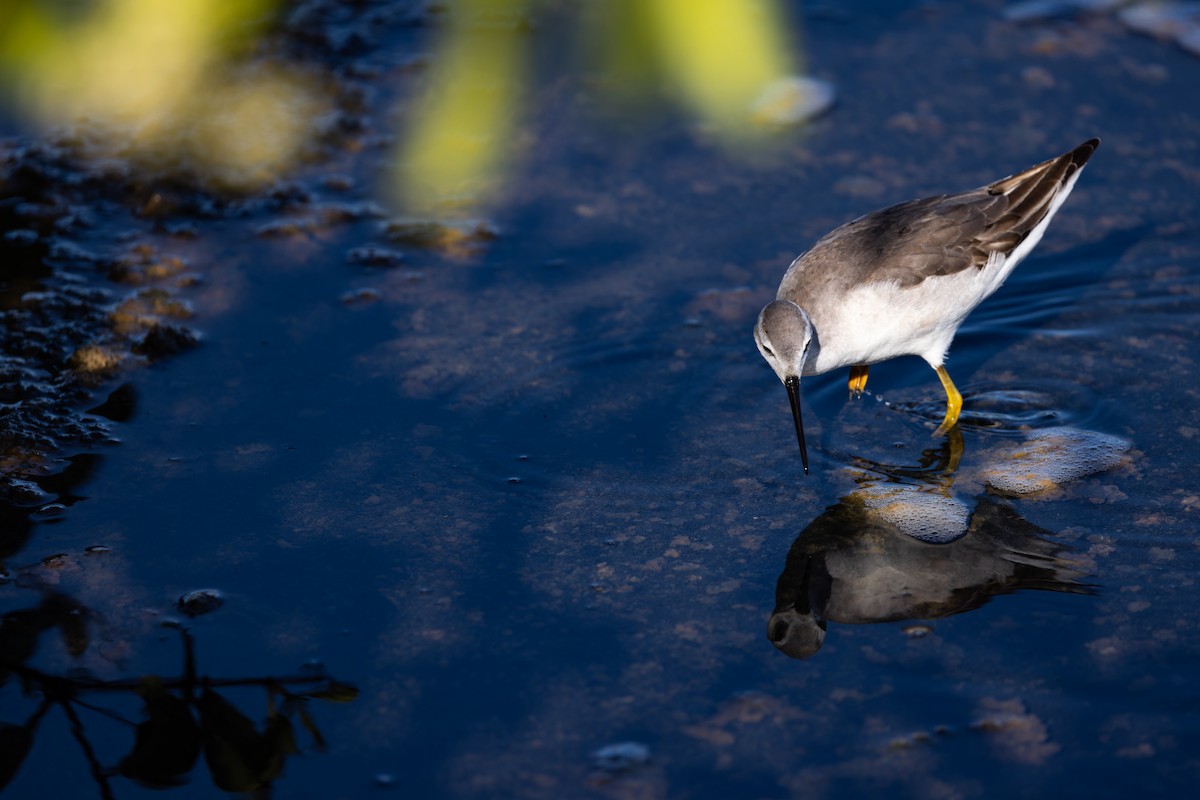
(917, 631)
(97, 550)
(514, 479)
(56, 561)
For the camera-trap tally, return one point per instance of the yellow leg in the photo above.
(953, 403)
(955, 440)
(858, 379)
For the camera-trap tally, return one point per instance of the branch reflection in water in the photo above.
(49, 647)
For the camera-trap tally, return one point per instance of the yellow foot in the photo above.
(858, 379)
(953, 403)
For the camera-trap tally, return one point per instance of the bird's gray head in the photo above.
(795, 633)
(783, 334)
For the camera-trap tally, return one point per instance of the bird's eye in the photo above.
(768, 350)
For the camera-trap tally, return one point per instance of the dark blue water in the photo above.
(545, 498)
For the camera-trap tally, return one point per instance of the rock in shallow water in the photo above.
(455, 236)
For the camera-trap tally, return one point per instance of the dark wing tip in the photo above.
(1081, 154)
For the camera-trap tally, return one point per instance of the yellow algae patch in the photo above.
(93, 358)
(459, 143)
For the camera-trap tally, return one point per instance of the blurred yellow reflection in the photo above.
(249, 128)
(726, 61)
(156, 77)
(163, 83)
(721, 55)
(461, 137)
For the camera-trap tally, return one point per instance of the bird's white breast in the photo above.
(878, 321)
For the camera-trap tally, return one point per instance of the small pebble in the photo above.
(286, 229)
(370, 256)
(21, 237)
(338, 182)
(452, 235)
(621, 756)
(359, 297)
(165, 340)
(201, 601)
(51, 510)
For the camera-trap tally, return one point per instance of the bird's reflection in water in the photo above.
(862, 561)
(935, 469)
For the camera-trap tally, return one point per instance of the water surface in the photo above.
(543, 498)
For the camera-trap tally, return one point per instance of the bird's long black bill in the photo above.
(793, 390)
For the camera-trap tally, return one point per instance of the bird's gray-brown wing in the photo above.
(943, 235)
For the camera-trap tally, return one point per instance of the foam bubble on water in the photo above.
(929, 516)
(1052, 457)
